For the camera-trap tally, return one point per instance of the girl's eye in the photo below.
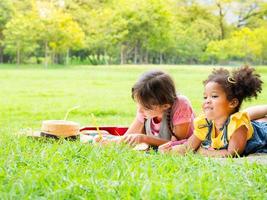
(214, 96)
(204, 97)
(147, 109)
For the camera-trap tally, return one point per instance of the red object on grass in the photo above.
(113, 130)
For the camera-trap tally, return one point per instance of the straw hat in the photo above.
(58, 128)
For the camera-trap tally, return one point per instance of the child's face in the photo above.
(216, 105)
(155, 111)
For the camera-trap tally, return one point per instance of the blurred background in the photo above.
(102, 32)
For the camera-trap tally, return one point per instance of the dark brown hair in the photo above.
(154, 88)
(242, 83)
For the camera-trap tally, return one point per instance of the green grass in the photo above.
(47, 169)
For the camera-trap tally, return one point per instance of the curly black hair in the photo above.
(242, 83)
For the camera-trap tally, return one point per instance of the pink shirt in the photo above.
(181, 113)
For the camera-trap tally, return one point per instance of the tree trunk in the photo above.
(160, 58)
(105, 57)
(135, 54)
(56, 58)
(1, 54)
(46, 55)
(146, 57)
(221, 14)
(123, 54)
(18, 56)
(52, 57)
(67, 57)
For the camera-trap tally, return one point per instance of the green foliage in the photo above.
(21, 35)
(60, 32)
(6, 13)
(130, 31)
(248, 44)
(66, 33)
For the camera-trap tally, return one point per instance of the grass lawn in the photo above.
(47, 169)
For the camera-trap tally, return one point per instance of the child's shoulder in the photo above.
(201, 127)
(182, 104)
(237, 120)
(201, 119)
(182, 97)
(183, 100)
(241, 115)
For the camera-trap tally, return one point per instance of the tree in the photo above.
(193, 28)
(148, 29)
(221, 7)
(59, 32)
(21, 36)
(247, 44)
(251, 13)
(44, 26)
(6, 10)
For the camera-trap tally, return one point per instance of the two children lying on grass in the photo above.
(223, 130)
(166, 119)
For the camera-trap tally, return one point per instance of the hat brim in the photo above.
(40, 134)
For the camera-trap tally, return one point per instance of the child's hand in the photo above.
(165, 148)
(133, 139)
(179, 149)
(173, 138)
(100, 140)
(107, 139)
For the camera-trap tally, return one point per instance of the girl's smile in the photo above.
(216, 106)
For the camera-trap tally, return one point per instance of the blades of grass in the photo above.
(67, 114)
(97, 127)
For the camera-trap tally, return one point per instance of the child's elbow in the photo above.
(234, 152)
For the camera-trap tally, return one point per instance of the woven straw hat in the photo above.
(58, 129)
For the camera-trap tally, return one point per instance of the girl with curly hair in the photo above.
(223, 130)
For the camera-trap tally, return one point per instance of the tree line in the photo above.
(133, 32)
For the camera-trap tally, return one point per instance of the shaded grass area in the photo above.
(47, 169)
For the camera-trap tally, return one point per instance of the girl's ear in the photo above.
(234, 103)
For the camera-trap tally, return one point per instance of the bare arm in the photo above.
(236, 145)
(133, 139)
(135, 134)
(135, 127)
(181, 131)
(257, 112)
(192, 144)
(155, 141)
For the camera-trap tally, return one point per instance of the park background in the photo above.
(59, 54)
(133, 32)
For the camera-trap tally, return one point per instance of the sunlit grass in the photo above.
(48, 169)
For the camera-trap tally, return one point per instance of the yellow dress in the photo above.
(205, 130)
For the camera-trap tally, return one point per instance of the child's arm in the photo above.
(135, 127)
(135, 135)
(257, 112)
(192, 144)
(134, 139)
(236, 145)
(181, 131)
